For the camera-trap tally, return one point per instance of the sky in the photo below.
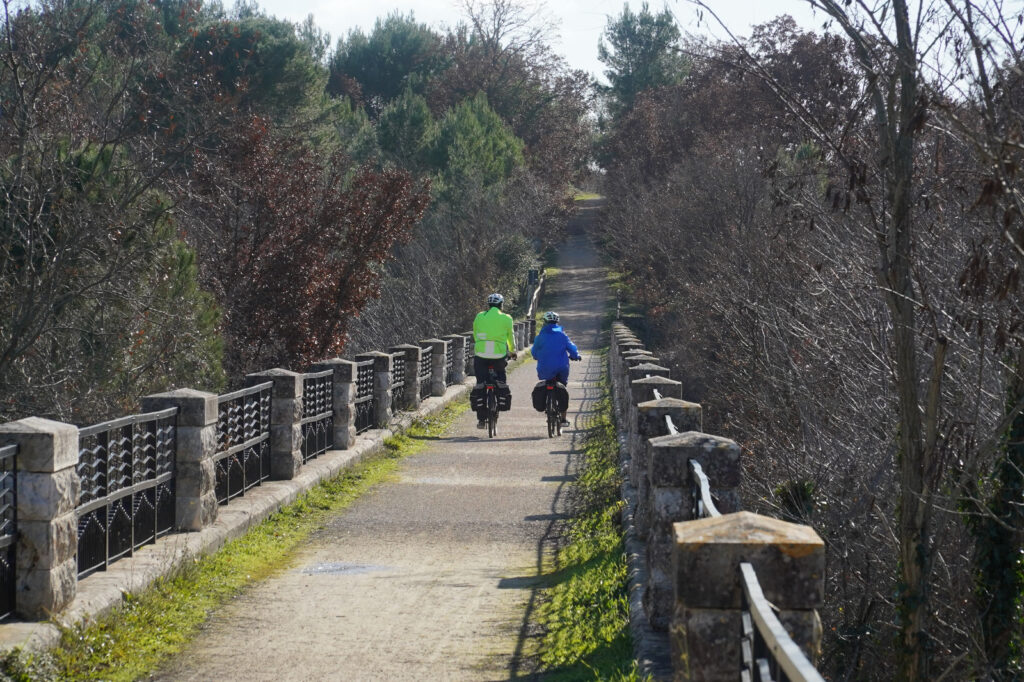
(579, 23)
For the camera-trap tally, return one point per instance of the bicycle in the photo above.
(551, 410)
(492, 402)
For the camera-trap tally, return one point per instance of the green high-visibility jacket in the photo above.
(493, 334)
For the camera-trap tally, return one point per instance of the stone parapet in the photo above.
(670, 500)
(457, 342)
(413, 357)
(383, 364)
(49, 488)
(195, 496)
(789, 561)
(344, 396)
(437, 348)
(285, 420)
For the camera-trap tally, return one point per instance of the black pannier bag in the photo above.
(504, 395)
(539, 396)
(478, 397)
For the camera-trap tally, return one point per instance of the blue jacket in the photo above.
(552, 350)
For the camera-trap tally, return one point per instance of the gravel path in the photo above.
(430, 577)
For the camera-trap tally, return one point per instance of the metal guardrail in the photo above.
(769, 653)
(318, 413)
(126, 467)
(704, 505)
(365, 404)
(242, 459)
(8, 528)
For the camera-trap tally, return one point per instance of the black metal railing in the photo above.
(366, 406)
(126, 467)
(317, 413)
(8, 528)
(449, 364)
(426, 370)
(398, 380)
(242, 459)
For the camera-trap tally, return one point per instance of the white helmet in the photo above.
(551, 316)
(495, 300)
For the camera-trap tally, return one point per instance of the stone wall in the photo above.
(690, 562)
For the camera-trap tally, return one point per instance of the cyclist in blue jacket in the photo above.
(552, 349)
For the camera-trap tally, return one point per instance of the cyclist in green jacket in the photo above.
(494, 341)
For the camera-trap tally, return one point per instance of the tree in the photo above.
(375, 69)
(641, 53)
(473, 146)
(293, 241)
(87, 253)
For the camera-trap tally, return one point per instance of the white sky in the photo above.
(579, 23)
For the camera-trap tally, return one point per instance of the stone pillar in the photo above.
(470, 352)
(382, 366)
(458, 345)
(670, 498)
(195, 477)
(789, 560)
(437, 348)
(532, 322)
(344, 382)
(650, 423)
(285, 420)
(413, 356)
(646, 369)
(46, 555)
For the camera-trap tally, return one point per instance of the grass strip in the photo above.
(146, 629)
(585, 612)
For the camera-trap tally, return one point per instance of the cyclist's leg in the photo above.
(499, 369)
(563, 377)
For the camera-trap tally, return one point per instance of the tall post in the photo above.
(413, 355)
(438, 348)
(668, 472)
(789, 560)
(470, 353)
(344, 383)
(285, 420)
(458, 346)
(650, 423)
(382, 366)
(533, 330)
(46, 564)
(195, 477)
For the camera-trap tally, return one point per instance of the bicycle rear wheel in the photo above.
(550, 411)
(492, 415)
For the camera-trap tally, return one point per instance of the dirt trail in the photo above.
(432, 576)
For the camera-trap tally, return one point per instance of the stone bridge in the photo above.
(436, 575)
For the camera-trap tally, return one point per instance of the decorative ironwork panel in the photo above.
(8, 527)
(126, 468)
(242, 459)
(449, 364)
(398, 380)
(426, 365)
(366, 406)
(317, 413)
